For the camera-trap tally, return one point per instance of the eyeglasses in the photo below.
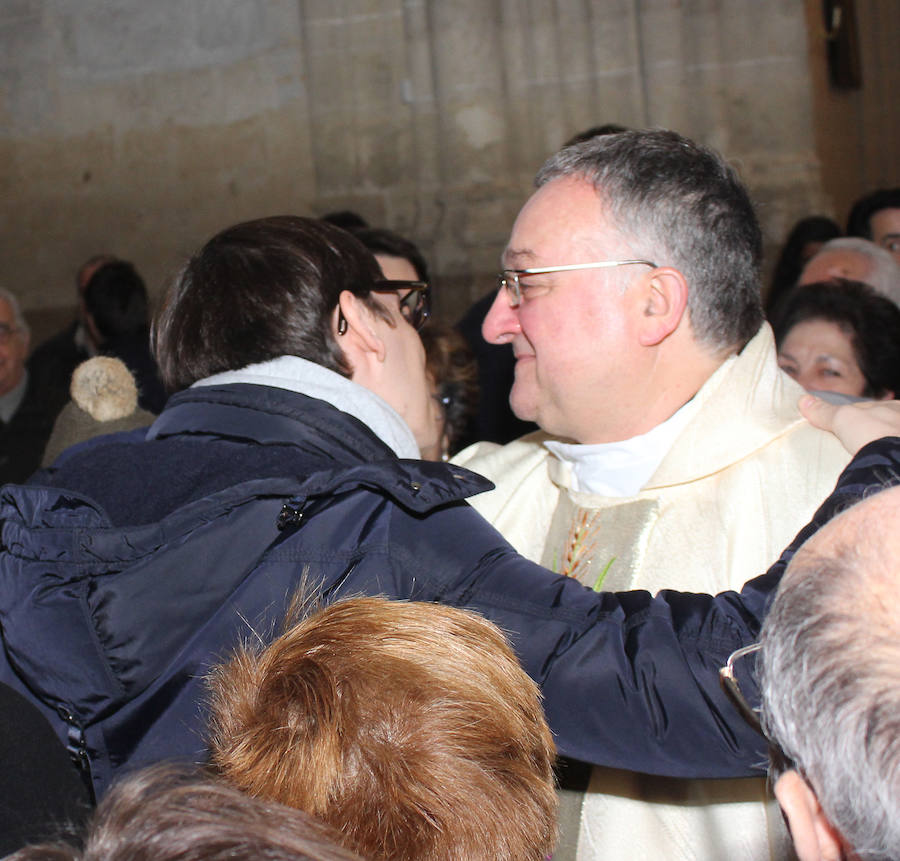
(509, 278)
(415, 304)
(6, 333)
(780, 761)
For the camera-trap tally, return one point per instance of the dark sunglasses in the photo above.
(415, 302)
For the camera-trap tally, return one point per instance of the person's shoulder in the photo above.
(494, 461)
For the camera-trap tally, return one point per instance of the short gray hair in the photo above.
(681, 205)
(885, 274)
(12, 300)
(830, 683)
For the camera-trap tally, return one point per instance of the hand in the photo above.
(853, 424)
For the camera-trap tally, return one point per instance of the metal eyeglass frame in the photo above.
(780, 761)
(509, 278)
(7, 332)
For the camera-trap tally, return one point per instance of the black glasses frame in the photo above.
(415, 304)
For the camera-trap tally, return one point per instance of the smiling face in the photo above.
(13, 349)
(578, 363)
(819, 355)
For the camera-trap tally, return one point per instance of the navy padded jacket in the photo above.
(140, 560)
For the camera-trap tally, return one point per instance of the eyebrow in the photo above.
(513, 256)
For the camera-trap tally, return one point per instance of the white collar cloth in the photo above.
(619, 469)
(308, 378)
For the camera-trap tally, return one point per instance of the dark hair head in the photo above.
(871, 321)
(346, 219)
(166, 814)
(815, 228)
(116, 299)
(679, 204)
(859, 220)
(259, 290)
(452, 366)
(594, 131)
(379, 240)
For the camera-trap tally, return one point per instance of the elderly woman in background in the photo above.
(840, 336)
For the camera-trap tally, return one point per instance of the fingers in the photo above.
(817, 412)
(855, 425)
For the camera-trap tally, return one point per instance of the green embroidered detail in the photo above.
(598, 584)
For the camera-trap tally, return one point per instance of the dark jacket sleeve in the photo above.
(631, 680)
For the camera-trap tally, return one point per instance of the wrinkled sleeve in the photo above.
(630, 680)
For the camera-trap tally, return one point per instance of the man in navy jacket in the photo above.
(287, 461)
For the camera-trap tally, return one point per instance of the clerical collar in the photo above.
(619, 468)
(12, 400)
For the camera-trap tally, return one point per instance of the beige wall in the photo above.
(139, 128)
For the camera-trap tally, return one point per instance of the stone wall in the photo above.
(139, 128)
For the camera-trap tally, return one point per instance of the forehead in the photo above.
(885, 221)
(852, 264)
(823, 335)
(396, 268)
(565, 217)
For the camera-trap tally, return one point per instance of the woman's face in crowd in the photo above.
(819, 355)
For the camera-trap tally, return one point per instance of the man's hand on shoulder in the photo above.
(855, 424)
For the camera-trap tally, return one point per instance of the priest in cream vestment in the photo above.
(672, 453)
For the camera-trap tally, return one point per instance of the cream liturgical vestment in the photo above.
(744, 475)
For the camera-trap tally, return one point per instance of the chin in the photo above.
(523, 408)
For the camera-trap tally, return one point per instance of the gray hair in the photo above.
(830, 683)
(680, 205)
(885, 272)
(12, 300)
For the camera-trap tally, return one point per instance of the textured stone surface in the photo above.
(139, 128)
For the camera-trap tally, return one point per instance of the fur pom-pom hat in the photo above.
(104, 400)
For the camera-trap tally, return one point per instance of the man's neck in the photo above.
(619, 468)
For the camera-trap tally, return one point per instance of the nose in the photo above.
(501, 324)
(805, 378)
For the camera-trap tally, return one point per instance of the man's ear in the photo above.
(815, 838)
(356, 331)
(663, 302)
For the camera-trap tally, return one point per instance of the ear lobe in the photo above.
(354, 324)
(664, 299)
(815, 838)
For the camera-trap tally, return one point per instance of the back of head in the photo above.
(116, 299)
(256, 291)
(871, 321)
(594, 131)
(679, 204)
(381, 241)
(811, 231)
(410, 728)
(830, 675)
(859, 220)
(166, 815)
